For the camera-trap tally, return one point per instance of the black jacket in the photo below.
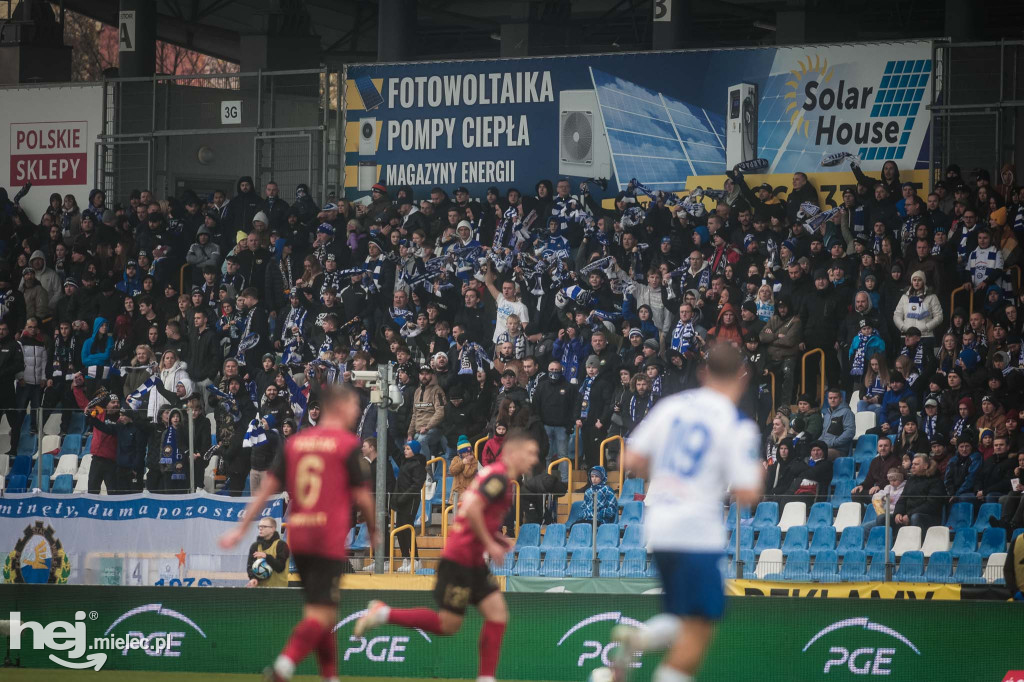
(922, 495)
(11, 362)
(412, 473)
(555, 401)
(204, 355)
(242, 208)
(784, 476)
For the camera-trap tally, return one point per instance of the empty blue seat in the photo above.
(77, 423)
(72, 444)
(580, 536)
(910, 568)
(609, 558)
(746, 541)
(630, 488)
(796, 538)
(528, 562)
(632, 512)
(862, 470)
(992, 540)
(575, 513)
(940, 568)
(842, 469)
(87, 450)
(964, 542)
(553, 565)
(851, 540)
(749, 563)
(580, 564)
(45, 471)
(767, 515)
(607, 536)
(529, 535)
(876, 540)
(960, 515)
(824, 540)
(21, 466)
(869, 515)
(866, 447)
(27, 443)
(984, 512)
(360, 538)
(968, 569)
(17, 483)
(554, 536)
(633, 537)
(854, 568)
(506, 565)
(798, 566)
(63, 485)
(820, 515)
(768, 538)
(730, 517)
(634, 564)
(826, 567)
(842, 493)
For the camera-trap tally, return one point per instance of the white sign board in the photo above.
(662, 10)
(49, 144)
(231, 112)
(126, 31)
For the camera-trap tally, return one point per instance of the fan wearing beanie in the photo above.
(463, 468)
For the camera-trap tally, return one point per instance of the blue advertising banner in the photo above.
(660, 117)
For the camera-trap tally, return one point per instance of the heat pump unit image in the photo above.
(367, 175)
(367, 136)
(741, 124)
(582, 142)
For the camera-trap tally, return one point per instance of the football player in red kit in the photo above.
(321, 468)
(463, 577)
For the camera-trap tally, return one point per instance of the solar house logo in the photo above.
(854, 653)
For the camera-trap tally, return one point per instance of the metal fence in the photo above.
(203, 132)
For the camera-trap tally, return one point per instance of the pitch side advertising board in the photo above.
(659, 117)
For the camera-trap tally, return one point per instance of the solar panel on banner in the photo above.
(368, 91)
(657, 139)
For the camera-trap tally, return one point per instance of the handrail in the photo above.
(558, 461)
(181, 278)
(444, 524)
(952, 297)
(771, 415)
(476, 447)
(515, 524)
(412, 548)
(576, 446)
(821, 374)
(423, 493)
(622, 449)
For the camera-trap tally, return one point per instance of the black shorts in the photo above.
(458, 586)
(320, 576)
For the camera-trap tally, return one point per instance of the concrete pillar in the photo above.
(396, 30)
(137, 48)
(675, 33)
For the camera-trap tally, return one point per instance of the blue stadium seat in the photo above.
(796, 539)
(968, 569)
(749, 563)
(826, 567)
(247, 490)
(394, 467)
(528, 562)
(851, 540)
(940, 568)
(28, 443)
(964, 542)
(730, 518)
(554, 536)
(869, 515)
(632, 512)
(862, 470)
(842, 493)
(17, 483)
(798, 566)
(575, 513)
(21, 466)
(77, 423)
(634, 564)
(580, 564)
(45, 471)
(910, 568)
(876, 540)
(63, 485)
(360, 539)
(608, 536)
(609, 559)
(842, 469)
(87, 450)
(824, 540)
(876, 569)
(768, 538)
(633, 537)
(553, 565)
(746, 541)
(866, 447)
(960, 515)
(767, 515)
(581, 536)
(854, 568)
(506, 566)
(631, 487)
(984, 511)
(72, 444)
(992, 540)
(820, 515)
(529, 536)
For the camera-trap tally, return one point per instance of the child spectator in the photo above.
(463, 468)
(599, 498)
(492, 448)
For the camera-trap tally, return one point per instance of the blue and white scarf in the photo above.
(682, 337)
(929, 425)
(254, 434)
(633, 403)
(230, 403)
(916, 355)
(860, 355)
(585, 400)
(170, 456)
(135, 399)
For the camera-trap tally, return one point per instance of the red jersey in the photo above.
(492, 483)
(319, 468)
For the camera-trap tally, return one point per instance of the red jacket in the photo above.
(104, 445)
(492, 450)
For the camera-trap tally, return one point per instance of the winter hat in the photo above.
(325, 228)
(241, 235)
(593, 361)
(463, 446)
(652, 344)
(414, 445)
(261, 217)
(635, 331)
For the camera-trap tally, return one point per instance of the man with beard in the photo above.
(255, 338)
(243, 207)
(781, 338)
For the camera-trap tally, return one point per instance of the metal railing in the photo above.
(821, 373)
(424, 510)
(476, 446)
(412, 548)
(554, 463)
(963, 288)
(622, 453)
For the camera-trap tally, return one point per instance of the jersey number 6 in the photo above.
(308, 479)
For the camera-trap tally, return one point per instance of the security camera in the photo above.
(365, 376)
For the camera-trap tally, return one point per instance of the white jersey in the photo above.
(698, 445)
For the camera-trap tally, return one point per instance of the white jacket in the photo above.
(170, 378)
(925, 314)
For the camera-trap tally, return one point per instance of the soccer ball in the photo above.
(261, 569)
(601, 675)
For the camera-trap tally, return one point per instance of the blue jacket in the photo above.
(891, 402)
(875, 345)
(607, 503)
(570, 354)
(837, 427)
(97, 356)
(961, 472)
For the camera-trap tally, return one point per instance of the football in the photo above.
(261, 569)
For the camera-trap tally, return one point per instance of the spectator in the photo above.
(103, 470)
(463, 468)
(412, 473)
(839, 424)
(779, 433)
(994, 477)
(919, 309)
(920, 504)
(599, 499)
(271, 548)
(32, 379)
(876, 479)
(807, 422)
(992, 416)
(554, 403)
(886, 498)
(963, 470)
(781, 339)
(865, 345)
(784, 473)
(817, 473)
(427, 414)
(492, 448)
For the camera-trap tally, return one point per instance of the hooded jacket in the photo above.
(200, 255)
(169, 378)
(723, 332)
(92, 353)
(919, 310)
(47, 277)
(601, 497)
(782, 336)
(37, 301)
(961, 472)
(242, 208)
(412, 473)
(554, 401)
(427, 407)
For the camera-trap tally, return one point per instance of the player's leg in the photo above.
(451, 592)
(683, 659)
(495, 613)
(320, 578)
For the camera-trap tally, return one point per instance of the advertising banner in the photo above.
(48, 133)
(140, 539)
(660, 117)
(875, 590)
(549, 636)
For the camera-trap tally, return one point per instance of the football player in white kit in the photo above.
(694, 447)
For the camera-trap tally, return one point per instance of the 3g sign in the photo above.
(662, 10)
(231, 112)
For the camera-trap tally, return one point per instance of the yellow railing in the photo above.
(412, 548)
(515, 525)
(551, 467)
(424, 512)
(181, 279)
(771, 416)
(959, 290)
(476, 447)
(576, 446)
(444, 524)
(622, 451)
(821, 373)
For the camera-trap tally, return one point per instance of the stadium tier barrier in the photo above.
(550, 636)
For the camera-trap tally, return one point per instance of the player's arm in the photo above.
(490, 489)
(268, 487)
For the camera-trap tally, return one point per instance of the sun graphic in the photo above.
(819, 69)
